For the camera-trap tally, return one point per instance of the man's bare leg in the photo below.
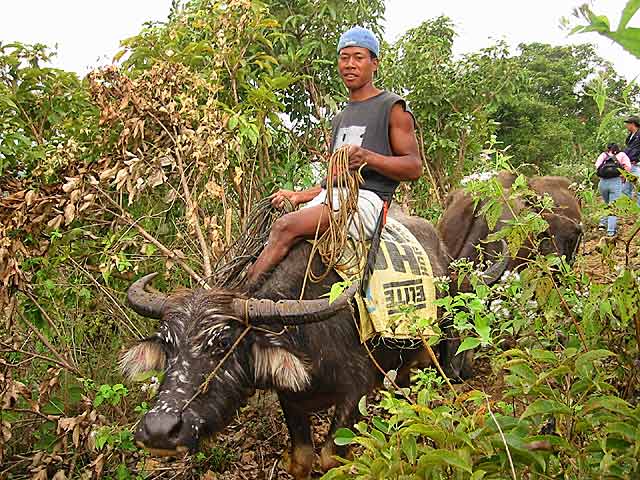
(285, 233)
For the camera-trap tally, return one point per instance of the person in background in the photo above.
(632, 149)
(608, 167)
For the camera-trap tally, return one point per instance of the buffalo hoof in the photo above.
(299, 464)
(327, 460)
(328, 456)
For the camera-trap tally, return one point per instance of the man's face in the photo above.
(631, 127)
(356, 66)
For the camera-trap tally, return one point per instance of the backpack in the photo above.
(610, 168)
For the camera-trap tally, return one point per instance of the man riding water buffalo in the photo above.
(380, 133)
(217, 346)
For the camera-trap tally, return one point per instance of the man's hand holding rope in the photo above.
(279, 198)
(358, 157)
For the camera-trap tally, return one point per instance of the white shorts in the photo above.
(369, 208)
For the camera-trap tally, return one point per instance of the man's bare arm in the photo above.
(405, 164)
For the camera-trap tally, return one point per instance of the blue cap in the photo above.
(359, 37)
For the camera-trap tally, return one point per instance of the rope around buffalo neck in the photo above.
(343, 187)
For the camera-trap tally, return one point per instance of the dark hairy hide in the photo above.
(312, 366)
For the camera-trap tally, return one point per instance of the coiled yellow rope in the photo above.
(343, 187)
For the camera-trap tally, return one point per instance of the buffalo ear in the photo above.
(280, 368)
(143, 357)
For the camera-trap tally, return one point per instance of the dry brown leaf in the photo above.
(108, 173)
(47, 385)
(60, 475)
(98, 465)
(37, 459)
(72, 184)
(170, 196)
(75, 195)
(157, 178)
(30, 197)
(69, 213)
(40, 475)
(55, 222)
(237, 178)
(214, 189)
(121, 178)
(75, 437)
(84, 206)
(13, 391)
(5, 429)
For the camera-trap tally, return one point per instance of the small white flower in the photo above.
(495, 305)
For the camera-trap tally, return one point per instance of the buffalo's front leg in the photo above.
(301, 460)
(344, 416)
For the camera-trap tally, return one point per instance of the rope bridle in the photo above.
(204, 386)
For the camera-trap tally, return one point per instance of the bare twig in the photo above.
(569, 312)
(192, 211)
(15, 464)
(46, 316)
(67, 364)
(434, 359)
(31, 412)
(391, 380)
(628, 244)
(130, 325)
(33, 355)
(504, 440)
(636, 319)
(127, 218)
(273, 469)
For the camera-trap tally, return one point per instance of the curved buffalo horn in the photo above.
(492, 274)
(145, 303)
(293, 312)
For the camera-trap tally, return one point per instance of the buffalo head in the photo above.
(563, 237)
(243, 340)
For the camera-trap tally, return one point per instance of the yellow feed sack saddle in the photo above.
(400, 289)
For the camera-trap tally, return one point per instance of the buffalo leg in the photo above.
(344, 416)
(301, 460)
(456, 367)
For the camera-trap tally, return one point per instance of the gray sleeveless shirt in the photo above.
(366, 124)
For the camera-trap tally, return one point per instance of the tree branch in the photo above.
(61, 360)
(192, 212)
(31, 354)
(128, 219)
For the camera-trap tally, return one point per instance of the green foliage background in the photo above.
(154, 166)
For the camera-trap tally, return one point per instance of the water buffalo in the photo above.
(462, 230)
(308, 351)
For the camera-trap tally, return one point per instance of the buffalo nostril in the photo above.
(161, 427)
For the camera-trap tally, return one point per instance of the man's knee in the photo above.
(283, 230)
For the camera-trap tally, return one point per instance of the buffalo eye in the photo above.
(544, 237)
(224, 343)
(218, 344)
